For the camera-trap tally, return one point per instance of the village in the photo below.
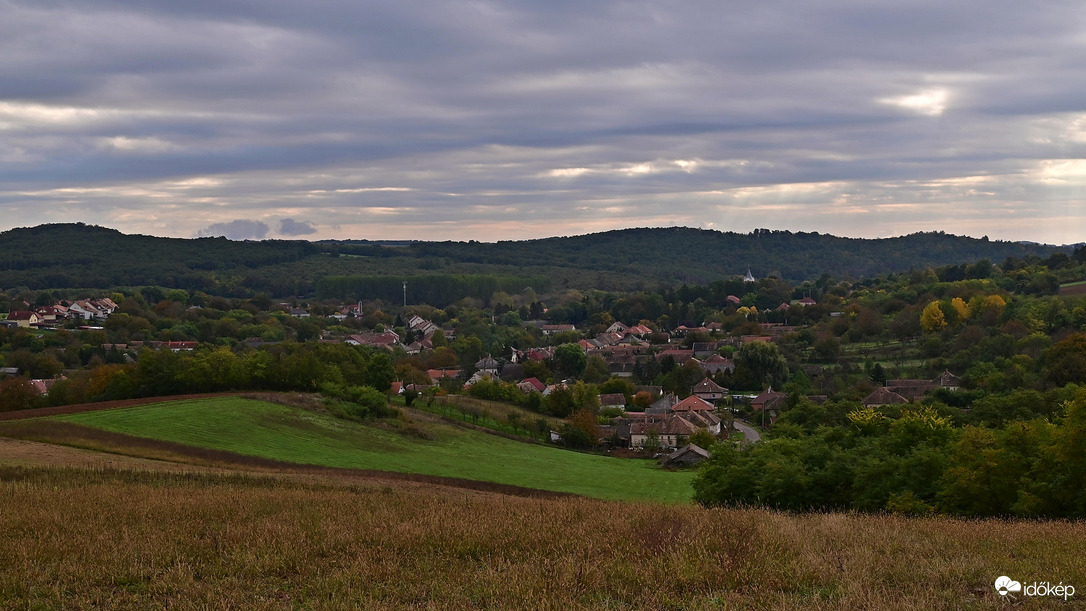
(647, 419)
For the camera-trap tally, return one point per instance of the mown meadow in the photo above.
(268, 430)
(78, 538)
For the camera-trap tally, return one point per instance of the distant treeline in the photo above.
(438, 290)
(66, 256)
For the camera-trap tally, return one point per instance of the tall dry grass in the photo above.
(82, 539)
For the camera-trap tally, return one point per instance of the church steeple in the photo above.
(749, 277)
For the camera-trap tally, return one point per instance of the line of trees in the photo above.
(289, 366)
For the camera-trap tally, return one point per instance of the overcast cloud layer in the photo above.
(482, 120)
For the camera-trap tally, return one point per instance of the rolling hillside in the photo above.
(272, 431)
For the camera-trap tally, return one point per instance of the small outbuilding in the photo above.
(690, 454)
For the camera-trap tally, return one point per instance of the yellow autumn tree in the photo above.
(932, 319)
(961, 308)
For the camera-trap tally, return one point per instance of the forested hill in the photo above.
(701, 256)
(83, 256)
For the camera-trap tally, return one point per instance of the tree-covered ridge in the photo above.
(78, 255)
(82, 256)
(700, 256)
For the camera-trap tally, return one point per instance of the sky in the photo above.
(452, 120)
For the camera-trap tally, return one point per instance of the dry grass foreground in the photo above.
(82, 538)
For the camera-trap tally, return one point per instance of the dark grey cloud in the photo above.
(291, 227)
(493, 120)
(236, 230)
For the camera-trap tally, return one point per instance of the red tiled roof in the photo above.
(535, 383)
(691, 404)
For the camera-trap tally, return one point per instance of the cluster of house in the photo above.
(895, 392)
(668, 422)
(621, 347)
(417, 326)
(56, 314)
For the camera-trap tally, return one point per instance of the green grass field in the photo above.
(268, 430)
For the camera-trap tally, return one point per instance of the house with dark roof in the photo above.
(914, 389)
(769, 399)
(24, 318)
(488, 364)
(680, 356)
(948, 380)
(716, 364)
(688, 455)
(613, 400)
(418, 346)
(663, 405)
(621, 365)
(883, 396)
(709, 391)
